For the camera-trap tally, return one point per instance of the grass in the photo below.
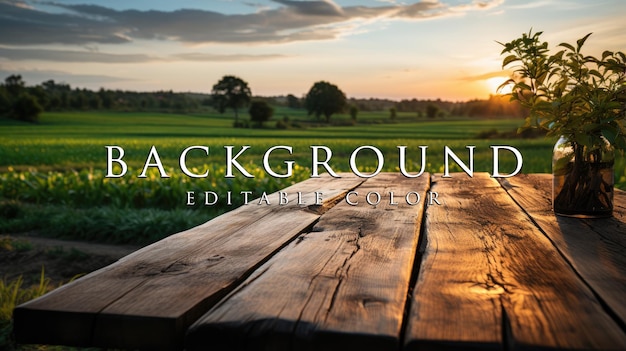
(102, 224)
(111, 125)
(18, 245)
(15, 292)
(52, 175)
(77, 140)
(12, 294)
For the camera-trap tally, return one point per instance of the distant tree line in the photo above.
(324, 99)
(493, 107)
(25, 103)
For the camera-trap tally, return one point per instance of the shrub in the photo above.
(241, 124)
(260, 112)
(281, 125)
(27, 108)
(10, 209)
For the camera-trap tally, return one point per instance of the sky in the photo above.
(391, 49)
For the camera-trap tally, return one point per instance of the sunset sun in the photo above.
(494, 82)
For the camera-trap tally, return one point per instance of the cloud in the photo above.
(486, 4)
(71, 56)
(532, 5)
(487, 75)
(37, 76)
(313, 8)
(225, 57)
(291, 21)
(18, 54)
(428, 9)
(24, 25)
(419, 10)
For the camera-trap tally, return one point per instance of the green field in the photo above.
(52, 175)
(76, 140)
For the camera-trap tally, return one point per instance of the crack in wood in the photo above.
(619, 246)
(300, 238)
(311, 292)
(422, 244)
(320, 209)
(533, 211)
(495, 281)
(177, 267)
(342, 271)
(98, 315)
(257, 274)
(507, 332)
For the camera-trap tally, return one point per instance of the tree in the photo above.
(14, 85)
(260, 111)
(393, 113)
(79, 100)
(432, 111)
(293, 101)
(26, 108)
(325, 99)
(354, 111)
(5, 101)
(106, 96)
(94, 102)
(43, 98)
(231, 92)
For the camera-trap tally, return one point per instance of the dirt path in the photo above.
(114, 251)
(61, 260)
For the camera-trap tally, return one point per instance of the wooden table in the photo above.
(490, 267)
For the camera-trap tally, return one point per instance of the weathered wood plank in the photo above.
(342, 286)
(596, 248)
(148, 299)
(489, 279)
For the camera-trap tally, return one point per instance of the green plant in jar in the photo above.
(581, 99)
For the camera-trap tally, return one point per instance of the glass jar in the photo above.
(583, 178)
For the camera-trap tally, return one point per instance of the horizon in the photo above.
(382, 49)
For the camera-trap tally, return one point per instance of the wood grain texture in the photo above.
(148, 299)
(489, 279)
(496, 270)
(341, 286)
(596, 248)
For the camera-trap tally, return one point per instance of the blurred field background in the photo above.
(52, 174)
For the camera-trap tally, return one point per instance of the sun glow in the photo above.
(494, 82)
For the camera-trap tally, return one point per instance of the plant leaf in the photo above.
(596, 73)
(610, 132)
(606, 54)
(580, 42)
(507, 60)
(505, 84)
(582, 139)
(568, 46)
